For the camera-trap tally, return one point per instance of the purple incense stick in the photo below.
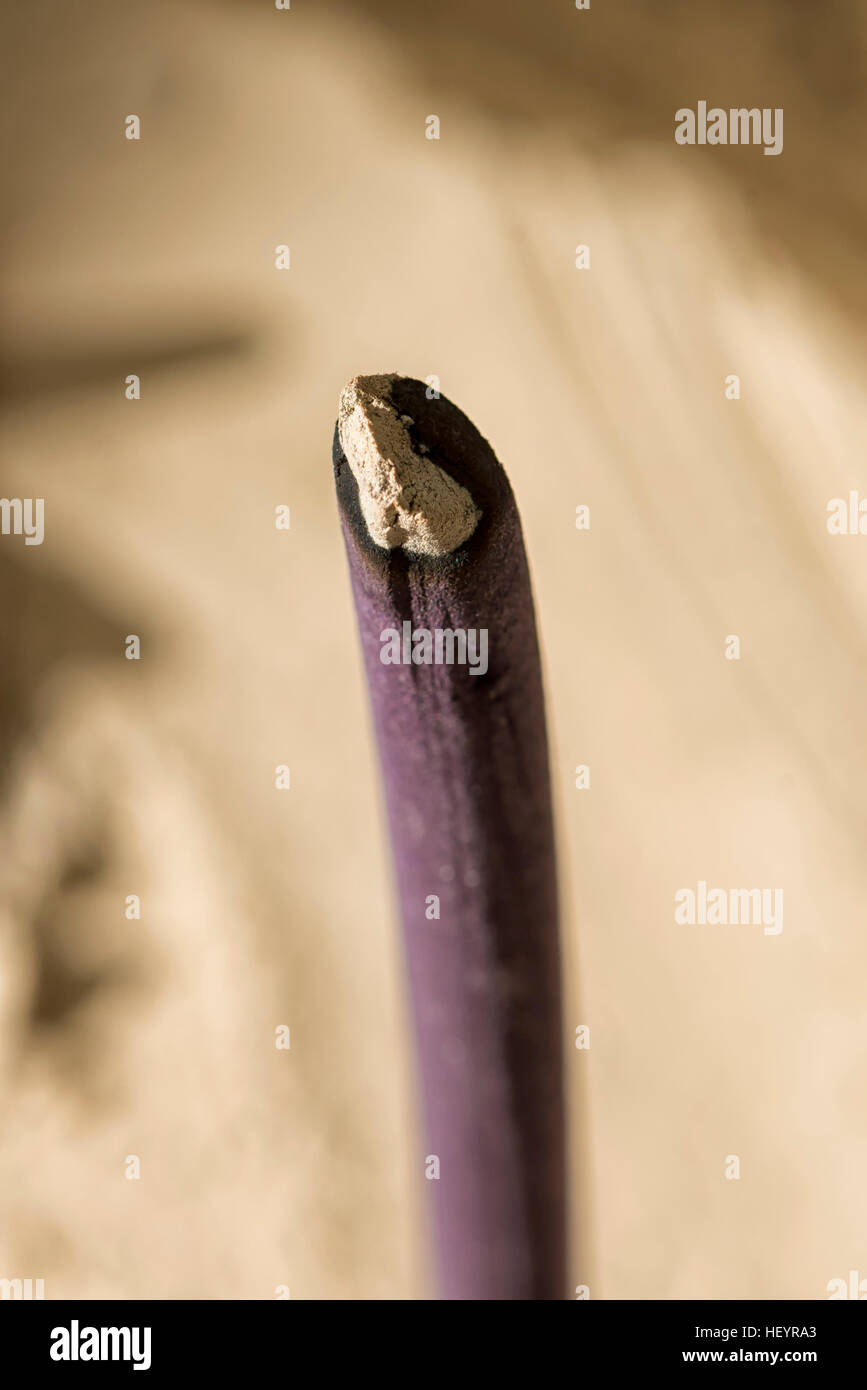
(445, 614)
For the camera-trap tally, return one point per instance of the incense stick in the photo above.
(436, 560)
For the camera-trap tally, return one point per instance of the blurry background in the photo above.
(155, 1037)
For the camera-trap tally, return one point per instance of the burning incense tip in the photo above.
(406, 499)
